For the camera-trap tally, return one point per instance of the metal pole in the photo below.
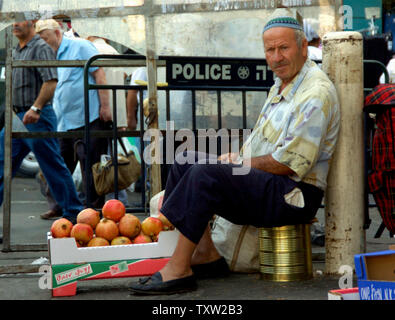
(344, 207)
(156, 186)
(143, 171)
(7, 145)
(115, 141)
(88, 172)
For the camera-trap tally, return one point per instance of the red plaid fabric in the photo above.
(384, 141)
(381, 94)
(382, 186)
(382, 180)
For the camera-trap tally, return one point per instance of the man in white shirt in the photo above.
(114, 76)
(391, 71)
(313, 50)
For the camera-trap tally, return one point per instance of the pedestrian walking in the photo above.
(32, 92)
(69, 102)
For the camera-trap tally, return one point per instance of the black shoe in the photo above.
(51, 214)
(154, 285)
(216, 269)
(319, 240)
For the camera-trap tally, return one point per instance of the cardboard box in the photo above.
(70, 264)
(376, 275)
(344, 294)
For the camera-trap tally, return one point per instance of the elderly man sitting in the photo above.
(287, 156)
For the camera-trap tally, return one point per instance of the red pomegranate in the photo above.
(151, 226)
(120, 241)
(82, 232)
(98, 242)
(114, 210)
(166, 223)
(61, 228)
(89, 216)
(107, 229)
(129, 226)
(142, 238)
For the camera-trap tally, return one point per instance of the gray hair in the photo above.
(299, 37)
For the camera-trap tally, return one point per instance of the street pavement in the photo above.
(19, 279)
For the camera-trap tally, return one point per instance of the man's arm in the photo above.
(131, 109)
(265, 163)
(46, 93)
(268, 164)
(105, 112)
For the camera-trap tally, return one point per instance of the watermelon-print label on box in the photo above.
(118, 268)
(73, 274)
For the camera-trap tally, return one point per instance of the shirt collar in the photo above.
(99, 41)
(290, 89)
(63, 45)
(35, 38)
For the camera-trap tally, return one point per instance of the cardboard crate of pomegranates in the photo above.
(117, 245)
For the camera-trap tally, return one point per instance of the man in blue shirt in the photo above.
(69, 100)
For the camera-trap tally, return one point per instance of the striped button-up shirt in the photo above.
(27, 82)
(299, 126)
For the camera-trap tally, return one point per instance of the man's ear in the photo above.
(58, 33)
(305, 44)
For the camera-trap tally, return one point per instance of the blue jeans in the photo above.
(47, 153)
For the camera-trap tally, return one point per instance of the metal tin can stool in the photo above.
(285, 253)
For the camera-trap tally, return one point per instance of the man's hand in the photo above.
(30, 117)
(105, 113)
(131, 109)
(105, 110)
(228, 157)
(132, 123)
(46, 93)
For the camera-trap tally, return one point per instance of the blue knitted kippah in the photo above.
(285, 22)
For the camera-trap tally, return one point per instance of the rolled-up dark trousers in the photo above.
(201, 187)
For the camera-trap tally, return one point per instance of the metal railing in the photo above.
(192, 88)
(9, 134)
(110, 61)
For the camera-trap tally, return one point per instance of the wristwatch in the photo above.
(35, 109)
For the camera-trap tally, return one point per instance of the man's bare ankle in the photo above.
(170, 273)
(201, 258)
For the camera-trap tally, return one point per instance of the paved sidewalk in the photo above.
(19, 279)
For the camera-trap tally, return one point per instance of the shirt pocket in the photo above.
(66, 74)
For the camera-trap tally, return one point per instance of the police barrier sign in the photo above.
(218, 72)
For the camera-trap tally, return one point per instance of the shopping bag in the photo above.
(129, 170)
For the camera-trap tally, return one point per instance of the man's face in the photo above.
(22, 29)
(283, 55)
(51, 37)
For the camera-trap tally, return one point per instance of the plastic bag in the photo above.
(238, 244)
